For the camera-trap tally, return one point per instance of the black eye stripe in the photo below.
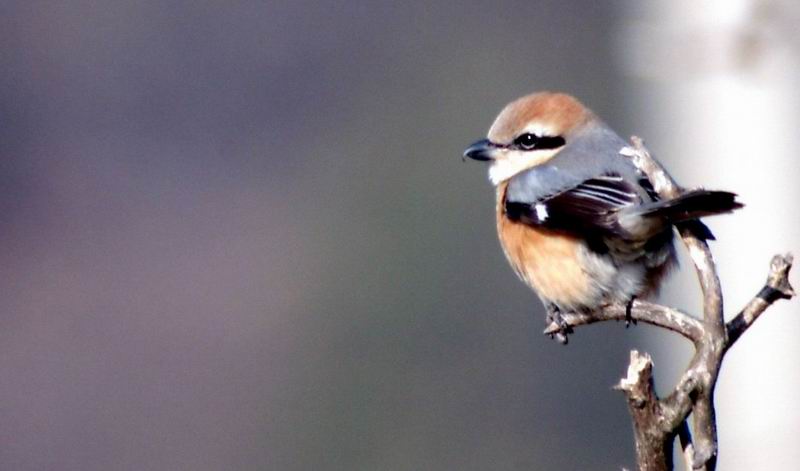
(528, 141)
(550, 142)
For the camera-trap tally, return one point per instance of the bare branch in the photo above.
(644, 311)
(662, 181)
(677, 406)
(777, 287)
(652, 449)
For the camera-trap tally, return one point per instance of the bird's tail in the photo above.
(692, 205)
(685, 210)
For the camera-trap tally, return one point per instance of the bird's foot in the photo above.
(557, 326)
(629, 313)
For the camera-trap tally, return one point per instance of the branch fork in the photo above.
(657, 421)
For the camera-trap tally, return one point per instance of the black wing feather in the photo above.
(588, 208)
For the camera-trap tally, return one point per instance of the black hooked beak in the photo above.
(482, 150)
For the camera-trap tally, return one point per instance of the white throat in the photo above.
(513, 162)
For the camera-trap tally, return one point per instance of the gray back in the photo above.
(591, 152)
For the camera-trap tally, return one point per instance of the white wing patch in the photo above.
(541, 212)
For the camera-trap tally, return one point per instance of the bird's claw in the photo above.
(629, 313)
(557, 327)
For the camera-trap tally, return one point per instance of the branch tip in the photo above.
(777, 287)
(639, 369)
(778, 278)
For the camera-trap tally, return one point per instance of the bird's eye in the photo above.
(526, 141)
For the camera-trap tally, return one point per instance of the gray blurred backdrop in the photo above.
(238, 235)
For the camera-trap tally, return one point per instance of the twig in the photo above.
(644, 311)
(777, 287)
(653, 452)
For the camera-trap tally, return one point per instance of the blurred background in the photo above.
(239, 235)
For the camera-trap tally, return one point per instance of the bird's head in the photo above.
(528, 132)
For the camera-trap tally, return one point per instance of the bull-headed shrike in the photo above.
(578, 222)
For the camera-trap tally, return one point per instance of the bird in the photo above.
(578, 222)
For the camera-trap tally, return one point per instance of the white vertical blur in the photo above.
(716, 87)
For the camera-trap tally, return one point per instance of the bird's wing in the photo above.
(590, 207)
